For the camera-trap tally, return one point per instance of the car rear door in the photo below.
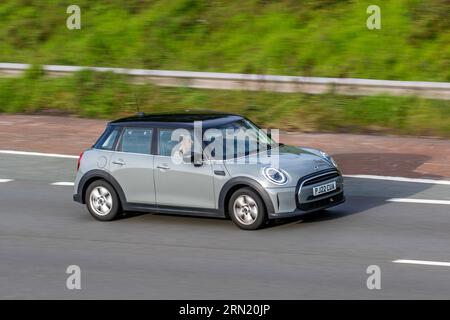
(132, 165)
(181, 184)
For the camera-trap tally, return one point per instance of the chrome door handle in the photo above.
(163, 166)
(119, 162)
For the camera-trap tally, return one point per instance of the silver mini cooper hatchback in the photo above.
(208, 164)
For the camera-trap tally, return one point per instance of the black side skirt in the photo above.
(191, 211)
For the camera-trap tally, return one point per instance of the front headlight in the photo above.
(275, 176)
(328, 158)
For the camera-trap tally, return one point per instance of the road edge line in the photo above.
(424, 201)
(399, 179)
(38, 154)
(423, 262)
(63, 183)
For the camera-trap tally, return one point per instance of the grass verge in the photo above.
(326, 38)
(108, 96)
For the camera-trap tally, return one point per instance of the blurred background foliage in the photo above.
(109, 95)
(291, 37)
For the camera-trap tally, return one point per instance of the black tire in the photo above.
(112, 200)
(248, 220)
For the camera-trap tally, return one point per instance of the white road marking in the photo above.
(69, 184)
(423, 262)
(426, 201)
(39, 154)
(400, 179)
(5, 180)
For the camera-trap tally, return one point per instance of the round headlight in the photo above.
(328, 158)
(275, 175)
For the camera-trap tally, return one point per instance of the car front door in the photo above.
(132, 165)
(181, 184)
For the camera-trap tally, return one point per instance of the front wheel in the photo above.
(247, 209)
(102, 201)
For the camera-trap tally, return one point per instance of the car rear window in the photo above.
(136, 140)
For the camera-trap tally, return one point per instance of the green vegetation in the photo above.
(310, 37)
(108, 95)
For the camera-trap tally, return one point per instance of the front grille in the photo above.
(321, 203)
(326, 177)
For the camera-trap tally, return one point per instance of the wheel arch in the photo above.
(94, 175)
(242, 182)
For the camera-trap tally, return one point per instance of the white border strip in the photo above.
(67, 184)
(400, 179)
(427, 201)
(38, 154)
(423, 262)
(5, 180)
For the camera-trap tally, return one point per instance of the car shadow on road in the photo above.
(352, 206)
(155, 213)
(130, 215)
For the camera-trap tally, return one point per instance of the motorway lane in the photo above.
(37, 168)
(322, 255)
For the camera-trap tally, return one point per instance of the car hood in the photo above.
(296, 162)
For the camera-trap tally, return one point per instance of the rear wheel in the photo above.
(247, 209)
(102, 201)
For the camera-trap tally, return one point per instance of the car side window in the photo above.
(109, 142)
(136, 140)
(166, 144)
(108, 139)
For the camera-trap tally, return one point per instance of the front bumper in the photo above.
(296, 201)
(77, 198)
(316, 206)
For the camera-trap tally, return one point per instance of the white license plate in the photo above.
(324, 188)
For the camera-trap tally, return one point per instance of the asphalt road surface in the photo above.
(153, 256)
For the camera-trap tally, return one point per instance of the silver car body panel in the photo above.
(183, 184)
(135, 174)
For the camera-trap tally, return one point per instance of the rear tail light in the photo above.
(79, 160)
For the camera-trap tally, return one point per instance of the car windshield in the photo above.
(236, 139)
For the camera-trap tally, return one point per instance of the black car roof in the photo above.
(179, 120)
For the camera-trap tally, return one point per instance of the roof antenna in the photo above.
(139, 113)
